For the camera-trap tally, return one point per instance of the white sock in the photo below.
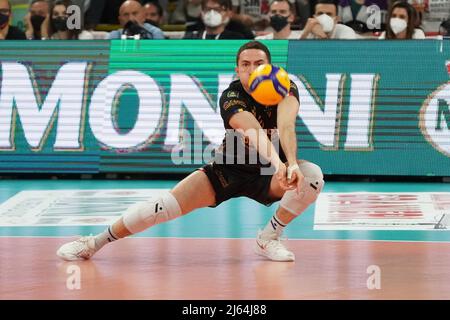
(105, 237)
(274, 229)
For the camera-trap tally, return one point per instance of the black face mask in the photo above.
(4, 19)
(36, 22)
(278, 22)
(132, 28)
(59, 24)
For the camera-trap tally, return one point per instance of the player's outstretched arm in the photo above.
(247, 124)
(286, 117)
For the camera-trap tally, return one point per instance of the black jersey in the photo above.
(233, 100)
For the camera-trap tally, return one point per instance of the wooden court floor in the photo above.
(170, 268)
(209, 254)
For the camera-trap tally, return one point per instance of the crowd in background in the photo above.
(226, 19)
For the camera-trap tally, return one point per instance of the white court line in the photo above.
(290, 239)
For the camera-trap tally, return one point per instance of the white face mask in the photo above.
(397, 25)
(326, 22)
(212, 19)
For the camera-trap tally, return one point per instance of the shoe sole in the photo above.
(259, 251)
(68, 258)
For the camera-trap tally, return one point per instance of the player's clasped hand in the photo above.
(294, 177)
(282, 176)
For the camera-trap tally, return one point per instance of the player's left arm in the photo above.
(286, 119)
(286, 116)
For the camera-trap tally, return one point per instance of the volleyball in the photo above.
(269, 84)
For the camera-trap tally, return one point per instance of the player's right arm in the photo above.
(236, 114)
(245, 123)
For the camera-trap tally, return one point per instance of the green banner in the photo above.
(185, 76)
(366, 107)
(374, 107)
(45, 94)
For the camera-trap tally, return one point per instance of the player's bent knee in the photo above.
(297, 201)
(311, 170)
(143, 215)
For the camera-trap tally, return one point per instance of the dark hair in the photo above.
(254, 45)
(158, 7)
(34, 1)
(291, 5)
(223, 3)
(412, 16)
(333, 2)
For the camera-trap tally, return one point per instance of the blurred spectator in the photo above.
(162, 3)
(93, 15)
(303, 10)
(132, 20)
(154, 13)
(360, 15)
(215, 15)
(281, 18)
(256, 12)
(187, 12)
(402, 21)
(34, 20)
(111, 11)
(431, 13)
(419, 6)
(234, 25)
(444, 28)
(8, 32)
(102, 11)
(324, 23)
(105, 11)
(56, 27)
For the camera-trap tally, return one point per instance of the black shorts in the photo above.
(232, 181)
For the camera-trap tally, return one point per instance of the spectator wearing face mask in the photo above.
(281, 18)
(58, 29)
(34, 21)
(255, 13)
(8, 32)
(215, 16)
(401, 18)
(132, 20)
(234, 25)
(56, 26)
(324, 24)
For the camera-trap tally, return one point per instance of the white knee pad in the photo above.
(313, 184)
(143, 215)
